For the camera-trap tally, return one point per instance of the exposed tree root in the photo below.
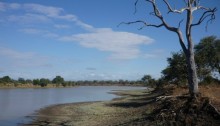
(184, 110)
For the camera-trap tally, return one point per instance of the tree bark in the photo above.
(191, 65)
(192, 74)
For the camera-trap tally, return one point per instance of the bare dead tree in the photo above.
(190, 6)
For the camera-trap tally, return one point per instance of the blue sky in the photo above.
(80, 40)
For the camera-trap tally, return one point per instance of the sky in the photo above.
(81, 39)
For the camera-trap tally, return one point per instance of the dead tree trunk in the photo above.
(191, 65)
(190, 6)
(192, 74)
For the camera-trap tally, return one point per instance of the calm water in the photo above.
(15, 104)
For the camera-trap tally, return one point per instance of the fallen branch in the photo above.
(164, 97)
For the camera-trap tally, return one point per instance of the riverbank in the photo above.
(130, 106)
(139, 107)
(12, 86)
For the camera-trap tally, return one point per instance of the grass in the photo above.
(211, 91)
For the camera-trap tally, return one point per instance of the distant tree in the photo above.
(58, 80)
(44, 82)
(190, 10)
(6, 79)
(176, 71)
(148, 80)
(21, 80)
(29, 81)
(36, 82)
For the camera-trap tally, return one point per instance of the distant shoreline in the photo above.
(11, 86)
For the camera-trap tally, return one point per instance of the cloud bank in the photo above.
(121, 45)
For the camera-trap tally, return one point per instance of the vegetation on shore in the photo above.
(58, 81)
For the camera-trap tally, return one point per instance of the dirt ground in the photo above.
(139, 108)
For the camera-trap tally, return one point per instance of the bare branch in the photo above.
(173, 29)
(199, 7)
(156, 10)
(210, 20)
(135, 5)
(180, 23)
(156, 13)
(159, 15)
(145, 24)
(174, 10)
(209, 13)
(152, 13)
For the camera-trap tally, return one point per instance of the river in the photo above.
(16, 104)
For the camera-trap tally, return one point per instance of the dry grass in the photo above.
(211, 91)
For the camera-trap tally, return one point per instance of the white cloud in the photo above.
(14, 6)
(14, 59)
(61, 26)
(40, 13)
(46, 10)
(5, 52)
(122, 45)
(153, 54)
(8, 6)
(44, 33)
(2, 6)
(28, 18)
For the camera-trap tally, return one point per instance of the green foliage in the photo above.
(44, 82)
(176, 72)
(208, 54)
(36, 82)
(21, 80)
(58, 80)
(29, 81)
(210, 80)
(6, 79)
(148, 80)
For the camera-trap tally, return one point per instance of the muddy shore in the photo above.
(139, 107)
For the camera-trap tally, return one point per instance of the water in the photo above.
(15, 104)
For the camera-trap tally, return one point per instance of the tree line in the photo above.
(43, 82)
(59, 81)
(207, 57)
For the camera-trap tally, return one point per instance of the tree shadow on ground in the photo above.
(130, 104)
(136, 101)
(46, 123)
